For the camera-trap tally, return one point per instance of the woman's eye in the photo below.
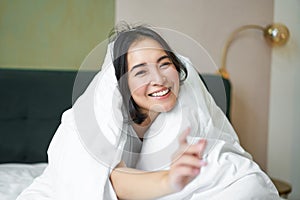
(165, 64)
(140, 73)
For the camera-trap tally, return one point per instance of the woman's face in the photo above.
(152, 77)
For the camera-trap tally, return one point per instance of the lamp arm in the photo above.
(222, 71)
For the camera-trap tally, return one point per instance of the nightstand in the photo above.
(284, 188)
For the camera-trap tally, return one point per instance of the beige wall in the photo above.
(209, 23)
(284, 129)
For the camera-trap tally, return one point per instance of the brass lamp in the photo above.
(275, 34)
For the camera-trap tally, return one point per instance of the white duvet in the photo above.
(15, 177)
(91, 138)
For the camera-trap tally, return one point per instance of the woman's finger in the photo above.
(189, 161)
(182, 171)
(202, 145)
(196, 149)
(183, 136)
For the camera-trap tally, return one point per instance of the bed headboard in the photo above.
(31, 104)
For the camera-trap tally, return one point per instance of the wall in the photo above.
(210, 23)
(51, 34)
(284, 130)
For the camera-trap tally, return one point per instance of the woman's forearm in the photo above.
(185, 166)
(136, 184)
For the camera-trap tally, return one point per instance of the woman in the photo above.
(119, 140)
(149, 79)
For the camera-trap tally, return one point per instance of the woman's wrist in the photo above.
(166, 183)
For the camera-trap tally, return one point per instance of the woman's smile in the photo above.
(161, 93)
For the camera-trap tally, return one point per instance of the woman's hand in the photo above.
(186, 162)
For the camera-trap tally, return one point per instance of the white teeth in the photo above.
(160, 93)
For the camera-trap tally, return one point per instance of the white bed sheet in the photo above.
(15, 177)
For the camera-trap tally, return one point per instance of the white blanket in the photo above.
(91, 139)
(15, 177)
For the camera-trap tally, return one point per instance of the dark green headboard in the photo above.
(31, 104)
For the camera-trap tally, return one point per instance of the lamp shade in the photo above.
(276, 34)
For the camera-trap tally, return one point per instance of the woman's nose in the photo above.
(157, 78)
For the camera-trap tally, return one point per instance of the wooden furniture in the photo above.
(283, 188)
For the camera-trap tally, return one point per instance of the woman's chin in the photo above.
(162, 108)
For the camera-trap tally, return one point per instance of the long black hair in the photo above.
(123, 37)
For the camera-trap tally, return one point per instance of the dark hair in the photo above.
(123, 36)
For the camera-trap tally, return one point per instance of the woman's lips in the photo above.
(160, 93)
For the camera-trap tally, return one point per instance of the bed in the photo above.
(31, 105)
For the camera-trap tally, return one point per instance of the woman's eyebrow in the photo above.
(144, 64)
(138, 65)
(161, 58)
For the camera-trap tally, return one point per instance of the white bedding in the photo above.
(14, 178)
